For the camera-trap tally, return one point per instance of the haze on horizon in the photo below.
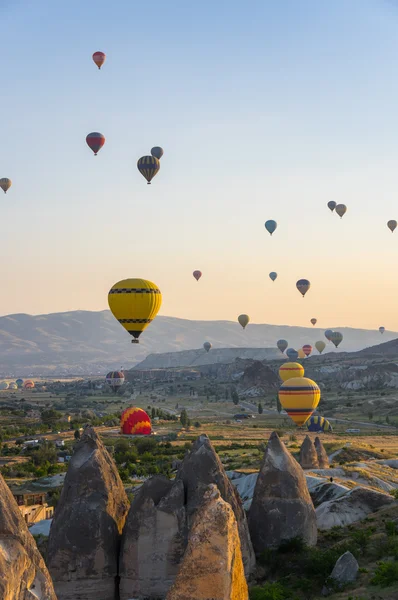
(263, 114)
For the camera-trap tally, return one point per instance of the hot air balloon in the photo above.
(95, 141)
(19, 382)
(157, 152)
(243, 320)
(320, 346)
(135, 421)
(301, 353)
(135, 303)
(307, 349)
(115, 380)
(382, 329)
(273, 275)
(318, 424)
(291, 369)
(207, 346)
(328, 334)
(5, 184)
(99, 58)
(29, 384)
(148, 166)
(391, 224)
(3, 385)
(299, 397)
(341, 209)
(292, 354)
(332, 205)
(282, 345)
(336, 338)
(13, 386)
(314, 321)
(270, 226)
(197, 275)
(303, 285)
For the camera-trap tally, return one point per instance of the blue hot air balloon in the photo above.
(273, 275)
(270, 226)
(292, 354)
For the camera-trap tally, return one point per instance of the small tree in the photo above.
(153, 412)
(77, 434)
(370, 416)
(235, 397)
(184, 418)
(278, 405)
(260, 408)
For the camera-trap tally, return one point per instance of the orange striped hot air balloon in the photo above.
(291, 369)
(135, 421)
(299, 397)
(29, 384)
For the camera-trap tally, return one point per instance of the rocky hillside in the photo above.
(84, 342)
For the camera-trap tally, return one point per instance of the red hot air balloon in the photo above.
(197, 275)
(307, 349)
(99, 58)
(95, 141)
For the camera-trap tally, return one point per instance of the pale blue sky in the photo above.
(265, 110)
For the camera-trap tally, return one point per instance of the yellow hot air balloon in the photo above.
(243, 320)
(299, 397)
(320, 346)
(301, 353)
(291, 369)
(135, 303)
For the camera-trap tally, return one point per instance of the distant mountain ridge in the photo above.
(88, 342)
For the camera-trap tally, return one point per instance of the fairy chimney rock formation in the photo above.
(323, 459)
(308, 456)
(23, 574)
(282, 507)
(212, 568)
(153, 541)
(202, 467)
(84, 541)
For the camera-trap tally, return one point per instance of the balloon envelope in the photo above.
(318, 424)
(29, 384)
(19, 382)
(328, 334)
(148, 166)
(3, 385)
(115, 380)
(270, 226)
(135, 303)
(135, 421)
(301, 353)
(299, 397)
(314, 321)
(341, 209)
(282, 345)
(307, 349)
(392, 225)
(320, 346)
(291, 369)
(336, 338)
(197, 275)
(303, 285)
(382, 329)
(207, 346)
(332, 205)
(157, 152)
(95, 141)
(99, 58)
(292, 354)
(273, 275)
(243, 320)
(5, 184)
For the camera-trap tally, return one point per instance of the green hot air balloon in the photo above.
(243, 320)
(341, 209)
(336, 338)
(270, 226)
(320, 346)
(282, 345)
(148, 166)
